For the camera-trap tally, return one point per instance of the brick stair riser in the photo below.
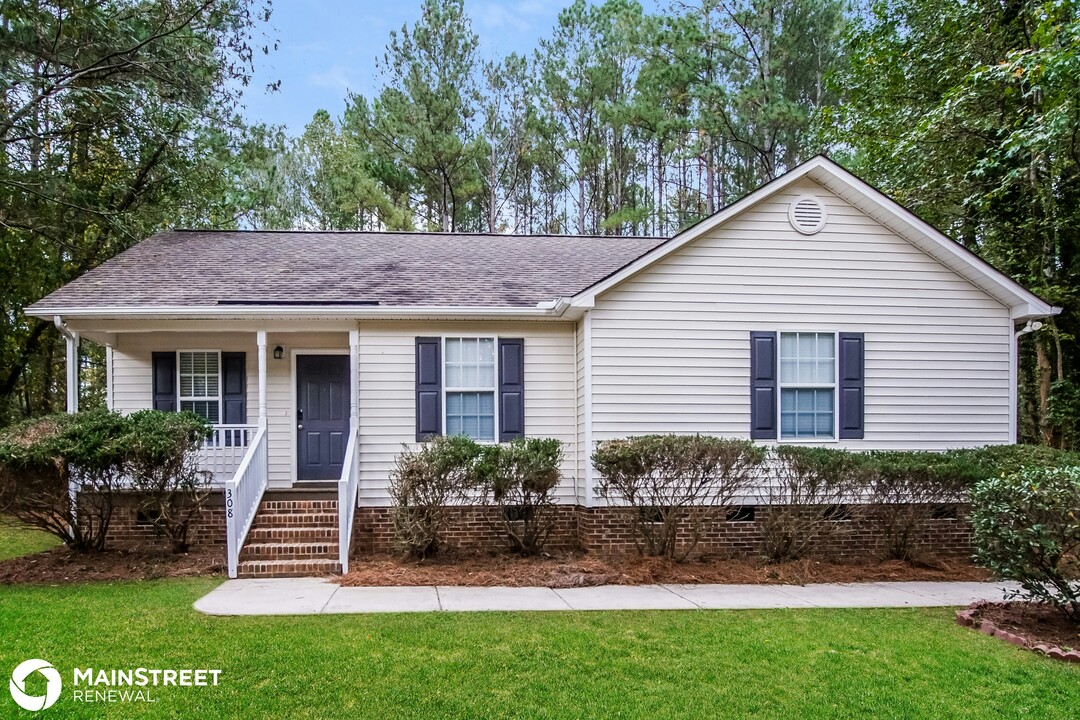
(291, 506)
(320, 520)
(280, 551)
(300, 568)
(288, 534)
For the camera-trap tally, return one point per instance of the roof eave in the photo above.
(552, 310)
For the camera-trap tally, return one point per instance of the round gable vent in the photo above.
(807, 214)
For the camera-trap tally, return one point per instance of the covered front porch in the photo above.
(282, 403)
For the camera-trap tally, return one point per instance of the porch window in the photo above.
(200, 383)
(807, 385)
(470, 387)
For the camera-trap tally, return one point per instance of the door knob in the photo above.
(300, 426)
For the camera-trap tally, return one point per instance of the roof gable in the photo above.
(1022, 303)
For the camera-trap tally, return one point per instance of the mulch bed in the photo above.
(580, 570)
(61, 566)
(1026, 624)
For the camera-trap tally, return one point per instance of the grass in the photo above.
(791, 664)
(17, 540)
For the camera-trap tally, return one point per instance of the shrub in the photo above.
(160, 465)
(907, 486)
(424, 484)
(58, 474)
(997, 460)
(521, 477)
(808, 493)
(1027, 529)
(658, 481)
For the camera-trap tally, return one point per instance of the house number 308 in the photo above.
(228, 502)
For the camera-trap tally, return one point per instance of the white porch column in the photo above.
(72, 339)
(354, 379)
(261, 340)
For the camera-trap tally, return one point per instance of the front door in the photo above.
(322, 415)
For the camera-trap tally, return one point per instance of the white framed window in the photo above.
(469, 385)
(807, 385)
(200, 383)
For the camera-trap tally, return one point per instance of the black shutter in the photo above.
(234, 388)
(511, 389)
(762, 385)
(164, 381)
(428, 388)
(852, 393)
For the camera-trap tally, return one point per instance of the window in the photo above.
(470, 387)
(200, 383)
(807, 385)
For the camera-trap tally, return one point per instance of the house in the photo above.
(814, 310)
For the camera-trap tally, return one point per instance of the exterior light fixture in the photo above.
(278, 352)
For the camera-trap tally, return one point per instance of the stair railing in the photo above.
(348, 486)
(243, 493)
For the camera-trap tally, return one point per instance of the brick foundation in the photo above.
(605, 531)
(126, 529)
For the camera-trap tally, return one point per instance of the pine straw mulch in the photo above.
(61, 566)
(1037, 623)
(575, 569)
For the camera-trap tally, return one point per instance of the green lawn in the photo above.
(770, 664)
(17, 540)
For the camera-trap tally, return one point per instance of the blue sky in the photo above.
(329, 47)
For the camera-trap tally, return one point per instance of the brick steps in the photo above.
(293, 535)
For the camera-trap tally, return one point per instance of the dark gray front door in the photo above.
(322, 415)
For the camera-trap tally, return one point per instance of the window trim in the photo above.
(180, 399)
(494, 389)
(780, 385)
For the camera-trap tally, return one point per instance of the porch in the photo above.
(251, 386)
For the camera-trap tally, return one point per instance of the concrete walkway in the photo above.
(314, 596)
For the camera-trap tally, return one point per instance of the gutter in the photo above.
(550, 309)
(1014, 371)
(72, 364)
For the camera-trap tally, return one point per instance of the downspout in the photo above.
(72, 339)
(1014, 373)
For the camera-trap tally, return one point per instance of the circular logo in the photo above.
(18, 685)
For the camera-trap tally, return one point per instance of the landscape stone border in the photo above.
(968, 618)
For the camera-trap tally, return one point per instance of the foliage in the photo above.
(967, 113)
(160, 464)
(906, 487)
(661, 484)
(521, 477)
(997, 460)
(425, 484)
(1027, 529)
(115, 119)
(808, 491)
(45, 464)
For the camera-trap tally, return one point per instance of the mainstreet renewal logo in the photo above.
(95, 686)
(18, 685)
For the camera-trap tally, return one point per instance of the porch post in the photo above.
(261, 340)
(354, 379)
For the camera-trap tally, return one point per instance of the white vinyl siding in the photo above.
(671, 351)
(388, 392)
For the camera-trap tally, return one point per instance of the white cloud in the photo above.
(335, 77)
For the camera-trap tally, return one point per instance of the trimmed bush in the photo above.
(1027, 529)
(45, 463)
(160, 463)
(808, 493)
(425, 483)
(997, 460)
(906, 487)
(660, 482)
(521, 477)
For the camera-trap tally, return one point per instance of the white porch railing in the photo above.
(224, 449)
(243, 493)
(348, 486)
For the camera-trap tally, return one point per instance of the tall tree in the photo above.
(104, 115)
(967, 113)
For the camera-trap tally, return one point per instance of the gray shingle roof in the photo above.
(203, 268)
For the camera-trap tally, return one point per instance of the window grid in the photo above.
(469, 386)
(199, 379)
(807, 385)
